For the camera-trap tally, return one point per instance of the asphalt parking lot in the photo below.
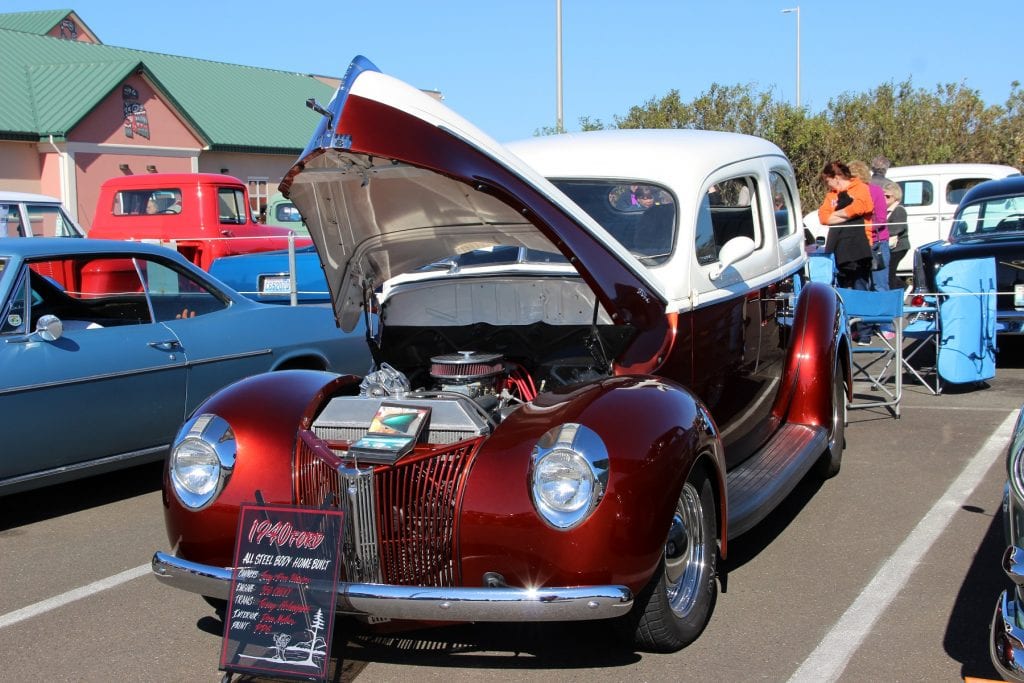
(889, 571)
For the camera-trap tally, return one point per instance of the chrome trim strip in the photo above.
(156, 453)
(93, 378)
(1006, 639)
(140, 371)
(418, 603)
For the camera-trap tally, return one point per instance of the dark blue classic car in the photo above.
(988, 223)
(106, 347)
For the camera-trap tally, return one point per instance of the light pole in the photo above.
(558, 66)
(796, 11)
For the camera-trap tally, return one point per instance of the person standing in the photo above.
(899, 241)
(847, 211)
(879, 167)
(879, 235)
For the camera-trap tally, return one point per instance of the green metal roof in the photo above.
(38, 23)
(50, 85)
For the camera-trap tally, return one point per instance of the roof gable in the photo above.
(51, 84)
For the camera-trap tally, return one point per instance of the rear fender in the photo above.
(819, 339)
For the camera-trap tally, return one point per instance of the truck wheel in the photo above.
(676, 605)
(831, 460)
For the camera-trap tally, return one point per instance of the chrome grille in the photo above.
(401, 519)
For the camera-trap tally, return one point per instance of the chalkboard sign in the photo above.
(280, 611)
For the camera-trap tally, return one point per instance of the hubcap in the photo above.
(684, 552)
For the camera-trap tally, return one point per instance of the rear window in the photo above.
(147, 202)
(958, 187)
(1002, 216)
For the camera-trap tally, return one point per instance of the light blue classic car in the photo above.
(107, 346)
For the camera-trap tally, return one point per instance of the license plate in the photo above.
(1018, 296)
(275, 284)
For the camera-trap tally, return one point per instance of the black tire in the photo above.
(672, 611)
(832, 459)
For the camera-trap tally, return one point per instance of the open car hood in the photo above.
(393, 180)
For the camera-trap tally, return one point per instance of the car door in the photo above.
(731, 378)
(112, 386)
(223, 343)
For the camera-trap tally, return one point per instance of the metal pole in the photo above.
(796, 11)
(558, 66)
(294, 298)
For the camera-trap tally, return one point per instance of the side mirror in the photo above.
(50, 328)
(736, 249)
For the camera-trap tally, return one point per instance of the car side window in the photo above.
(175, 295)
(782, 205)
(231, 206)
(15, 319)
(957, 188)
(917, 192)
(727, 210)
(10, 221)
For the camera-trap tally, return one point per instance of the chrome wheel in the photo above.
(685, 560)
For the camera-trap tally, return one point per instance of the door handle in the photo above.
(929, 218)
(169, 345)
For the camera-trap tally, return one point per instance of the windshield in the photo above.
(998, 216)
(641, 216)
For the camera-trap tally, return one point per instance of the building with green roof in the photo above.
(77, 112)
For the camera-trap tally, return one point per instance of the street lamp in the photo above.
(796, 11)
(558, 66)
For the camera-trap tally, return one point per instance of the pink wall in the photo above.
(70, 29)
(106, 125)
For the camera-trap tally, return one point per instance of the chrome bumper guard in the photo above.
(1006, 640)
(419, 603)
(1006, 637)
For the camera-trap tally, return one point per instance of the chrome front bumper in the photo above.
(419, 603)
(1006, 637)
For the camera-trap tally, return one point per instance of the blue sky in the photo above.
(494, 61)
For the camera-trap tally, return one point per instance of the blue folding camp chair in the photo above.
(821, 268)
(876, 368)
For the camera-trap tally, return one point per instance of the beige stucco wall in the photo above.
(19, 167)
(243, 166)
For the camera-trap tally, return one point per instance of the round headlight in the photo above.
(568, 475)
(564, 481)
(202, 458)
(195, 466)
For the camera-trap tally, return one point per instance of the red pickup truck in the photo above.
(203, 215)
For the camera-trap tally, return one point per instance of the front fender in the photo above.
(819, 339)
(654, 432)
(265, 413)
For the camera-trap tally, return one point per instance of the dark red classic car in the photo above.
(619, 371)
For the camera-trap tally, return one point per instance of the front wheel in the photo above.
(677, 603)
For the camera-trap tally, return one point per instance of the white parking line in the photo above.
(77, 594)
(833, 653)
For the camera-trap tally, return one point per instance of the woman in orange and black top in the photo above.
(847, 213)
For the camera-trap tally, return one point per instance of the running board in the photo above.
(758, 485)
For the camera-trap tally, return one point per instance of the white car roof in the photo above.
(27, 197)
(679, 158)
(993, 170)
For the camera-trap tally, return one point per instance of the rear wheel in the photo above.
(832, 459)
(676, 605)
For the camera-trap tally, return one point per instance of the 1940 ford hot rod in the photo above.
(619, 371)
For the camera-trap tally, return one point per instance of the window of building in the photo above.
(258, 196)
